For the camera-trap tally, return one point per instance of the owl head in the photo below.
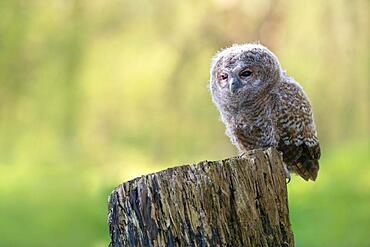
(243, 73)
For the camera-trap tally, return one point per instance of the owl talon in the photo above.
(243, 155)
(287, 174)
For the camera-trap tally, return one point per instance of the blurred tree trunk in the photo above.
(236, 202)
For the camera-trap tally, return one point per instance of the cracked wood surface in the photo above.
(241, 201)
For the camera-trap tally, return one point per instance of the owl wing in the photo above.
(297, 132)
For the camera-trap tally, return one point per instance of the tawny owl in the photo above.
(261, 106)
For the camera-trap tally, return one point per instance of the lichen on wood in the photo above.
(240, 201)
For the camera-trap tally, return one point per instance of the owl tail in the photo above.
(308, 169)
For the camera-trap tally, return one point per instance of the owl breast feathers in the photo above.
(261, 106)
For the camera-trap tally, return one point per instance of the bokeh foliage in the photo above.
(93, 93)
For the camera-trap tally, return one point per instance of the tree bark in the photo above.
(240, 201)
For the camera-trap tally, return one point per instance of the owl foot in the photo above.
(287, 173)
(243, 155)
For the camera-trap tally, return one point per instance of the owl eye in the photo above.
(222, 79)
(223, 76)
(245, 73)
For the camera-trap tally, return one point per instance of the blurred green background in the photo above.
(93, 93)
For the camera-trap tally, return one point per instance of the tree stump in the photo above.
(236, 202)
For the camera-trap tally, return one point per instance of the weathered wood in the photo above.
(240, 201)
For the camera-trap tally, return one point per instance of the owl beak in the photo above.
(234, 85)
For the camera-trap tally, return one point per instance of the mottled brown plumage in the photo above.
(261, 106)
